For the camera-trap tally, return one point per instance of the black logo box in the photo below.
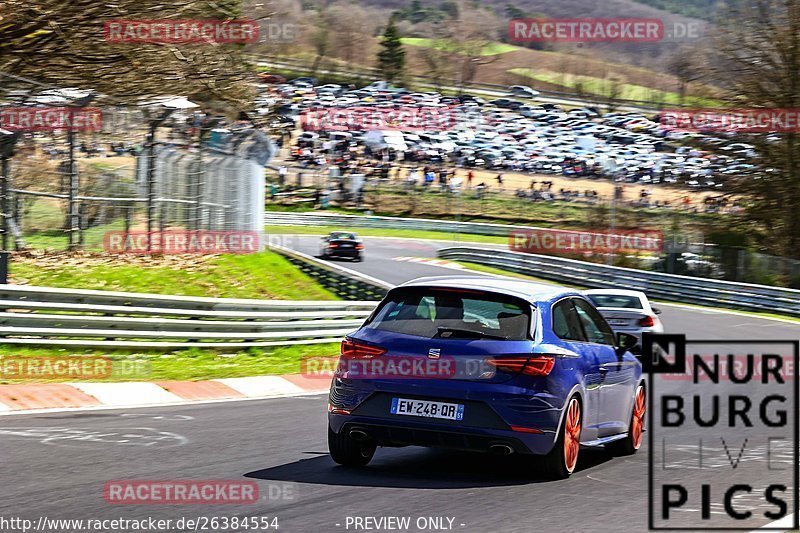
(654, 363)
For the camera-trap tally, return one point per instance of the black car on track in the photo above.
(341, 244)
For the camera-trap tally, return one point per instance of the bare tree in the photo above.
(63, 43)
(320, 36)
(683, 65)
(352, 27)
(469, 36)
(756, 57)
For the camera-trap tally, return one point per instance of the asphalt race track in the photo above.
(56, 464)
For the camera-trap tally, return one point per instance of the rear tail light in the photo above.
(333, 245)
(647, 322)
(337, 410)
(352, 349)
(359, 246)
(539, 365)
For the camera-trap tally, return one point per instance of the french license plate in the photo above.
(618, 322)
(449, 411)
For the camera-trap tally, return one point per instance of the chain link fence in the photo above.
(145, 170)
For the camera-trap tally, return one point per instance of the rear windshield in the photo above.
(453, 313)
(616, 300)
(349, 236)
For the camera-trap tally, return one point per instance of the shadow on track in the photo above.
(421, 468)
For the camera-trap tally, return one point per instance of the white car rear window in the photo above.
(616, 300)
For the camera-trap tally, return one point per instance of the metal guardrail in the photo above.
(335, 219)
(670, 287)
(342, 281)
(22, 293)
(75, 317)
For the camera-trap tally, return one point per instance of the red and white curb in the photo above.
(429, 261)
(35, 397)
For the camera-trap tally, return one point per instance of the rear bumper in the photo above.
(488, 419)
(347, 252)
(638, 331)
(397, 433)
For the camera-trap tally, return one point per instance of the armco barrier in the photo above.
(670, 287)
(341, 281)
(74, 317)
(358, 221)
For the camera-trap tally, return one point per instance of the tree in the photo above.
(468, 38)
(63, 44)
(392, 56)
(614, 87)
(682, 66)
(449, 7)
(321, 36)
(756, 58)
(353, 28)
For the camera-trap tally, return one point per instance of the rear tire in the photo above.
(349, 452)
(560, 463)
(633, 440)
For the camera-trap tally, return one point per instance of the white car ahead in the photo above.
(626, 311)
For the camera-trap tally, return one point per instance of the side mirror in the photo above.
(656, 310)
(628, 343)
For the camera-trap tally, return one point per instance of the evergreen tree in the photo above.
(392, 56)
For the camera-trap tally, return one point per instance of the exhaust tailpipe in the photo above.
(359, 435)
(501, 449)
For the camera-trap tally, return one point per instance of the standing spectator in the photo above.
(470, 175)
(411, 179)
(282, 171)
(429, 177)
(500, 181)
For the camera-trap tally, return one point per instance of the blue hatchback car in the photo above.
(486, 364)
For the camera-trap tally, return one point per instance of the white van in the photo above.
(381, 139)
(337, 136)
(377, 86)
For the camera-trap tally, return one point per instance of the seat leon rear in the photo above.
(485, 364)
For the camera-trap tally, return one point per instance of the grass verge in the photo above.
(605, 87)
(188, 365)
(445, 45)
(386, 232)
(264, 275)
